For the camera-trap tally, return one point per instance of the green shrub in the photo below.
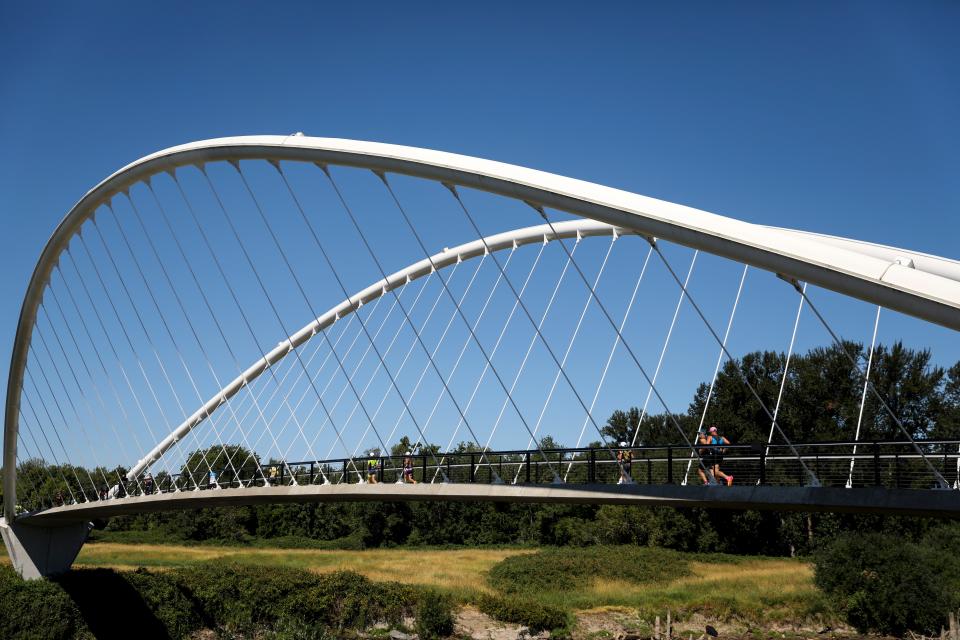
(168, 602)
(882, 583)
(434, 616)
(239, 597)
(564, 569)
(37, 610)
(538, 617)
(268, 602)
(347, 600)
(348, 543)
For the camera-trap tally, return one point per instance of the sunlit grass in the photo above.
(760, 590)
(461, 572)
(749, 589)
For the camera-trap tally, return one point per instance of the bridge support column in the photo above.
(37, 552)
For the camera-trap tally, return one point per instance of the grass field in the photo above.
(758, 590)
(459, 571)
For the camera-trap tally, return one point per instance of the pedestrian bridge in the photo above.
(887, 479)
(214, 324)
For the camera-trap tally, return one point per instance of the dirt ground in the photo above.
(621, 624)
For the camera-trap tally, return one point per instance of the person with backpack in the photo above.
(703, 450)
(715, 455)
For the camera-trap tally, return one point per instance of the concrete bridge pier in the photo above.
(38, 552)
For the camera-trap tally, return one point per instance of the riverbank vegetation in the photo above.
(231, 590)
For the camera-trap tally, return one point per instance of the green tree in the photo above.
(232, 464)
(882, 583)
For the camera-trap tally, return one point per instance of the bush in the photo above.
(155, 601)
(347, 600)
(266, 602)
(349, 543)
(562, 569)
(883, 584)
(37, 610)
(538, 617)
(434, 616)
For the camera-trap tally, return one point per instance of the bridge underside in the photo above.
(908, 502)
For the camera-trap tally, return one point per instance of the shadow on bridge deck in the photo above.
(915, 502)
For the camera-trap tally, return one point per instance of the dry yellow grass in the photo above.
(763, 589)
(456, 570)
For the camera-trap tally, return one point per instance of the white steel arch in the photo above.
(501, 241)
(923, 286)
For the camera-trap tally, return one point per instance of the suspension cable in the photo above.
(204, 298)
(814, 481)
(613, 350)
(610, 320)
(403, 362)
(941, 481)
(170, 335)
(236, 300)
(716, 368)
(356, 370)
(66, 391)
(666, 344)
(480, 347)
(90, 377)
(570, 343)
(786, 373)
(190, 324)
(496, 346)
(426, 366)
(863, 397)
(143, 328)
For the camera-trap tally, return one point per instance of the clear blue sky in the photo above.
(832, 117)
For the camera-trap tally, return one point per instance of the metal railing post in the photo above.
(763, 465)
(472, 462)
(423, 463)
(592, 468)
(283, 469)
(528, 467)
(669, 465)
(380, 466)
(876, 464)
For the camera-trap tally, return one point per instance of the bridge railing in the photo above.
(890, 464)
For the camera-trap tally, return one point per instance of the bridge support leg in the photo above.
(37, 552)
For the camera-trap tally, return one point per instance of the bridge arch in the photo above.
(927, 287)
(502, 241)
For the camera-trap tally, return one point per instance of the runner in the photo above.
(716, 455)
(625, 460)
(373, 464)
(408, 469)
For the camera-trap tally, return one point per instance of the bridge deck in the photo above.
(937, 503)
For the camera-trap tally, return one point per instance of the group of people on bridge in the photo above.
(711, 447)
(374, 463)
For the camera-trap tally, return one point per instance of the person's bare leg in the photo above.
(723, 476)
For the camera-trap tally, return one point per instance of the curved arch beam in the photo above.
(901, 285)
(509, 240)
